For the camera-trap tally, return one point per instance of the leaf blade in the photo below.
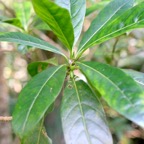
(36, 67)
(82, 116)
(36, 98)
(108, 14)
(57, 18)
(13, 22)
(28, 40)
(119, 90)
(131, 19)
(77, 11)
(37, 136)
(137, 76)
(23, 13)
(95, 7)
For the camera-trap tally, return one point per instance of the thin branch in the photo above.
(114, 48)
(5, 118)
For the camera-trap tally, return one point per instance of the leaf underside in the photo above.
(77, 9)
(28, 40)
(83, 118)
(35, 99)
(118, 89)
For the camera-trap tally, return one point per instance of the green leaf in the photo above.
(37, 23)
(131, 19)
(58, 20)
(28, 40)
(137, 76)
(37, 67)
(37, 136)
(83, 118)
(13, 22)
(95, 7)
(53, 61)
(107, 15)
(77, 9)
(138, 1)
(42, 26)
(35, 99)
(119, 90)
(23, 12)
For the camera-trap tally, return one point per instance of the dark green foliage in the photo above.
(82, 113)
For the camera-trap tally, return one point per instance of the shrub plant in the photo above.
(82, 114)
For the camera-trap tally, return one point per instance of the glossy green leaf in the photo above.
(58, 20)
(28, 40)
(137, 76)
(37, 67)
(106, 16)
(37, 136)
(23, 12)
(83, 118)
(131, 19)
(14, 22)
(119, 90)
(35, 99)
(77, 9)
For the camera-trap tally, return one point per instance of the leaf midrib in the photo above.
(27, 116)
(24, 17)
(81, 110)
(100, 113)
(101, 27)
(133, 105)
(139, 82)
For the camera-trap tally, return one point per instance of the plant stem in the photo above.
(114, 48)
(79, 55)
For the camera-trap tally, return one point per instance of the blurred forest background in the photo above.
(126, 51)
